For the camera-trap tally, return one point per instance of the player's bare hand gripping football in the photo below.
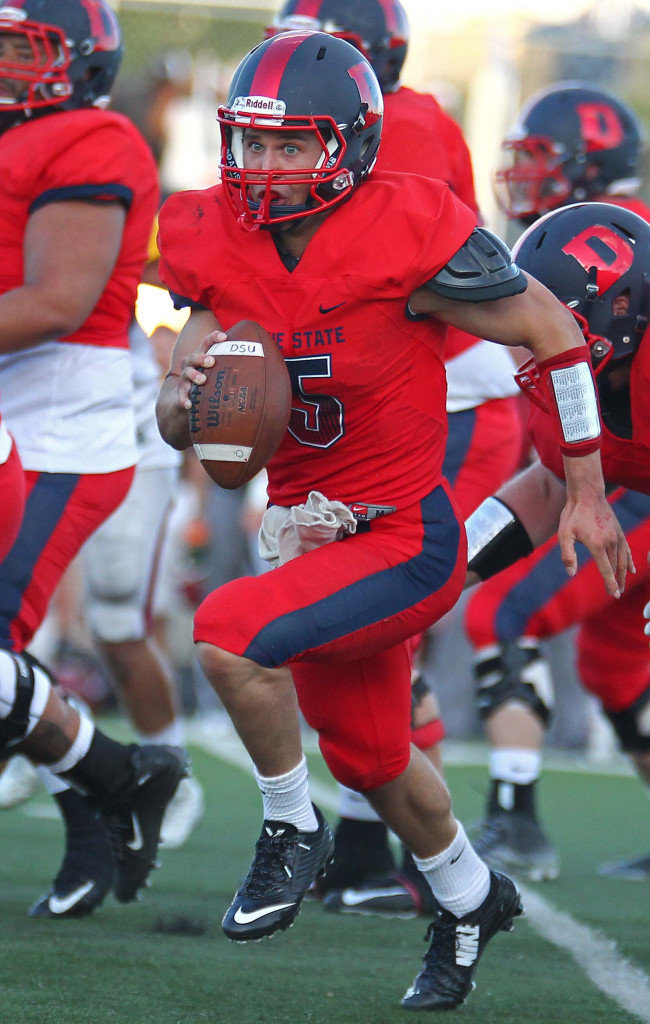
(188, 359)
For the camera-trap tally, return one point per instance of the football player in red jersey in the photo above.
(573, 142)
(355, 275)
(78, 195)
(12, 490)
(485, 431)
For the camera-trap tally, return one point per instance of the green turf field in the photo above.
(119, 967)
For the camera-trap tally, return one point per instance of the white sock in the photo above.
(459, 879)
(79, 748)
(354, 805)
(286, 797)
(173, 734)
(512, 764)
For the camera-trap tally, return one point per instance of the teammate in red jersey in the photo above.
(485, 432)
(355, 276)
(78, 195)
(12, 490)
(572, 141)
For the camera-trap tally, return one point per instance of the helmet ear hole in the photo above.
(621, 303)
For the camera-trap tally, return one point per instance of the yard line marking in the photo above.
(618, 978)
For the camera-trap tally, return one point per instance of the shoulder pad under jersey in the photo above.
(481, 271)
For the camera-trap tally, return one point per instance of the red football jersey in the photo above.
(626, 463)
(80, 154)
(368, 421)
(419, 137)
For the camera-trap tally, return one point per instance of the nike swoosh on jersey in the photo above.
(350, 898)
(245, 917)
(329, 309)
(137, 842)
(61, 904)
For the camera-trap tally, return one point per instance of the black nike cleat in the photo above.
(134, 822)
(515, 842)
(397, 895)
(285, 864)
(456, 944)
(636, 870)
(361, 854)
(402, 893)
(84, 878)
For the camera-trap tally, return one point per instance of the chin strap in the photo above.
(564, 387)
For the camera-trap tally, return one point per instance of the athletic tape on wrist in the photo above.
(567, 382)
(496, 538)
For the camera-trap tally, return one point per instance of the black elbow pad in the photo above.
(481, 271)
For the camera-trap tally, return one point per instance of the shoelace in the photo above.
(440, 933)
(272, 855)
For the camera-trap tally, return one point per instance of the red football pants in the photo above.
(61, 511)
(341, 616)
(535, 598)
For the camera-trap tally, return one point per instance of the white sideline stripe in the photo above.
(618, 978)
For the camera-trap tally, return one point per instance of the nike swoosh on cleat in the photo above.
(245, 917)
(349, 898)
(329, 309)
(137, 842)
(62, 904)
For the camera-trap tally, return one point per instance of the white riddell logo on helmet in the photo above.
(245, 106)
(12, 14)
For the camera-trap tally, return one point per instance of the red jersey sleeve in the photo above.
(181, 236)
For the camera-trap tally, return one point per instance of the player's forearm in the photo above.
(522, 515)
(584, 477)
(30, 316)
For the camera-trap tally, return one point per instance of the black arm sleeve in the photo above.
(481, 271)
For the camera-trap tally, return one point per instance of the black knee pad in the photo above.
(633, 724)
(14, 727)
(517, 672)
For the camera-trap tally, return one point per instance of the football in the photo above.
(239, 416)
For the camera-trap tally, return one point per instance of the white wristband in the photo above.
(577, 406)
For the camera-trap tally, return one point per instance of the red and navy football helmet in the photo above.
(301, 82)
(573, 142)
(76, 48)
(595, 258)
(379, 28)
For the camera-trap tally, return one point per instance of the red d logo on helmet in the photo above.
(600, 126)
(602, 248)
